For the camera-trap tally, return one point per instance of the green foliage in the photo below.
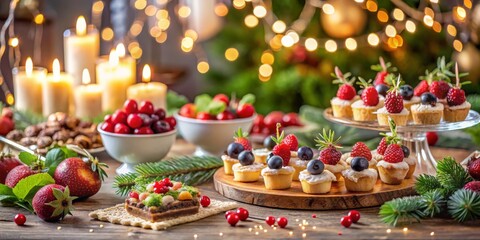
(401, 210)
(432, 202)
(426, 183)
(451, 175)
(175, 101)
(464, 205)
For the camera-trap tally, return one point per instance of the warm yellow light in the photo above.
(251, 21)
(392, 43)
(150, 10)
(221, 10)
(107, 34)
(39, 18)
(371, 6)
(192, 34)
(239, 4)
(136, 52)
(10, 99)
(311, 44)
(287, 41)
(410, 26)
(29, 67)
(97, 7)
(428, 11)
(132, 45)
(162, 2)
(162, 38)
(184, 11)
(398, 14)
(13, 42)
(187, 42)
(399, 40)
(265, 70)
(56, 69)
(373, 39)
(428, 20)
(467, 4)
(163, 23)
(331, 46)
(86, 76)
(140, 4)
(231, 54)
(120, 49)
(434, 1)
(359, 1)
(267, 58)
(162, 13)
(351, 44)
(113, 58)
(437, 27)
(452, 30)
(457, 45)
(81, 26)
(203, 67)
(155, 32)
(460, 13)
(294, 35)
(279, 26)
(263, 79)
(328, 8)
(146, 73)
(136, 28)
(382, 16)
(276, 42)
(259, 11)
(390, 31)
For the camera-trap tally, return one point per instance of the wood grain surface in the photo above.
(326, 225)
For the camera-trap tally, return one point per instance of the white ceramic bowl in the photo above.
(211, 136)
(134, 149)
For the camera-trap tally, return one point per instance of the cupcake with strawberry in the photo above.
(234, 149)
(383, 71)
(346, 95)
(370, 102)
(359, 177)
(457, 107)
(360, 149)
(428, 111)
(329, 153)
(393, 108)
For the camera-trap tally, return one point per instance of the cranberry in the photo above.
(272, 119)
(121, 128)
(225, 115)
(161, 190)
(314, 215)
(20, 219)
(233, 219)
(147, 120)
(130, 106)
(161, 127)
(188, 110)
(228, 213)
(346, 221)
(270, 220)
(291, 119)
(134, 194)
(108, 127)
(119, 116)
(171, 121)
(134, 120)
(242, 214)
(143, 131)
(204, 116)
(167, 182)
(146, 107)
(258, 121)
(282, 222)
(221, 98)
(256, 129)
(245, 110)
(159, 184)
(154, 118)
(205, 201)
(107, 118)
(354, 215)
(160, 112)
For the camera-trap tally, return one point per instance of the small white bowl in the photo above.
(134, 149)
(211, 136)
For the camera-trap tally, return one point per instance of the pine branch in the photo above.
(451, 175)
(426, 183)
(464, 205)
(433, 202)
(124, 183)
(401, 210)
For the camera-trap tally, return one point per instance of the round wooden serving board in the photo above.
(293, 198)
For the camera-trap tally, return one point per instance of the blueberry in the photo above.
(406, 91)
(315, 167)
(382, 89)
(359, 164)
(429, 98)
(270, 154)
(234, 149)
(406, 151)
(275, 162)
(305, 153)
(246, 158)
(269, 143)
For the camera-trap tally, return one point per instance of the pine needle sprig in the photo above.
(451, 175)
(124, 183)
(433, 203)
(464, 205)
(402, 210)
(426, 183)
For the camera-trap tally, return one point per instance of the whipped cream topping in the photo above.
(248, 168)
(345, 156)
(361, 104)
(297, 162)
(383, 110)
(355, 176)
(283, 170)
(410, 160)
(427, 107)
(341, 102)
(261, 152)
(376, 156)
(414, 99)
(340, 166)
(325, 176)
(371, 163)
(399, 165)
(461, 106)
(228, 158)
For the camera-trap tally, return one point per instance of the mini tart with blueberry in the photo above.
(168, 200)
(247, 170)
(429, 111)
(276, 176)
(234, 149)
(393, 108)
(457, 107)
(329, 153)
(360, 150)
(359, 178)
(346, 95)
(363, 110)
(300, 160)
(315, 179)
(228, 163)
(408, 98)
(261, 155)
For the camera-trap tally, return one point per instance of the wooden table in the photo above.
(326, 225)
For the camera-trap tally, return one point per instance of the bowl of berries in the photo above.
(209, 122)
(137, 133)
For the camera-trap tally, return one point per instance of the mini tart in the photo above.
(248, 173)
(400, 118)
(376, 156)
(228, 164)
(337, 169)
(261, 155)
(342, 108)
(299, 165)
(392, 173)
(362, 181)
(456, 113)
(427, 114)
(408, 104)
(411, 166)
(371, 163)
(364, 113)
(278, 179)
(316, 184)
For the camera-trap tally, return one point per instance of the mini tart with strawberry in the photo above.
(163, 200)
(392, 169)
(346, 95)
(359, 149)
(247, 170)
(299, 160)
(457, 107)
(329, 153)
(393, 108)
(370, 102)
(359, 178)
(429, 111)
(234, 149)
(315, 179)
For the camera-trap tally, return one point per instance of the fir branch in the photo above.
(124, 183)
(401, 210)
(464, 205)
(433, 202)
(451, 175)
(426, 183)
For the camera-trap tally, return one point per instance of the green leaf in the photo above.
(7, 199)
(25, 187)
(27, 158)
(5, 190)
(401, 210)
(249, 98)
(174, 102)
(216, 107)
(202, 102)
(426, 183)
(56, 156)
(25, 205)
(6, 194)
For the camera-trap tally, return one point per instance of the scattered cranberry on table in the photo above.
(282, 222)
(346, 221)
(270, 220)
(20, 219)
(205, 201)
(354, 215)
(242, 214)
(233, 219)
(228, 213)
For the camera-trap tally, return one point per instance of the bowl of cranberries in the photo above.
(137, 133)
(210, 122)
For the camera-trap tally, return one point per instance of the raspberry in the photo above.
(394, 102)
(455, 97)
(361, 150)
(393, 153)
(291, 141)
(473, 186)
(282, 150)
(330, 155)
(421, 88)
(439, 89)
(382, 146)
(346, 92)
(241, 137)
(370, 96)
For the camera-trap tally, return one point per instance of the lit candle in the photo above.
(27, 82)
(88, 98)
(81, 49)
(127, 61)
(155, 92)
(114, 79)
(57, 91)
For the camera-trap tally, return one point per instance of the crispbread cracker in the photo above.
(118, 215)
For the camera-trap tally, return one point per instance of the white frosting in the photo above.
(340, 166)
(461, 106)
(286, 169)
(361, 104)
(325, 176)
(354, 175)
(341, 102)
(427, 107)
(298, 162)
(410, 160)
(384, 111)
(371, 163)
(248, 168)
(345, 156)
(228, 158)
(376, 156)
(399, 165)
(414, 99)
(261, 152)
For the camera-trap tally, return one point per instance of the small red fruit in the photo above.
(346, 221)
(18, 173)
(134, 194)
(359, 149)
(354, 215)
(432, 138)
(393, 154)
(7, 112)
(172, 122)
(7, 163)
(222, 98)
(421, 88)
(439, 89)
(241, 137)
(270, 220)
(346, 92)
(188, 110)
(160, 190)
(473, 168)
(134, 120)
(370, 96)
(229, 212)
(146, 107)
(291, 119)
(282, 222)
(52, 202)
(380, 78)
(394, 102)
(107, 118)
(130, 106)
(473, 186)
(282, 150)
(143, 131)
(225, 115)
(291, 141)
(161, 114)
(232, 219)
(204, 116)
(205, 201)
(329, 153)
(121, 128)
(20, 219)
(242, 214)
(272, 119)
(119, 116)
(6, 125)
(167, 182)
(382, 146)
(108, 127)
(314, 215)
(245, 110)
(456, 96)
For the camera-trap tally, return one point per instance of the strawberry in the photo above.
(329, 153)
(393, 153)
(52, 202)
(369, 93)
(346, 91)
(380, 78)
(432, 138)
(439, 89)
(382, 72)
(455, 95)
(473, 168)
(473, 186)
(394, 101)
(361, 150)
(291, 141)
(382, 146)
(241, 137)
(281, 149)
(18, 173)
(421, 88)
(7, 163)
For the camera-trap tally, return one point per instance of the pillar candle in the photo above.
(57, 91)
(81, 50)
(154, 92)
(127, 61)
(88, 98)
(27, 82)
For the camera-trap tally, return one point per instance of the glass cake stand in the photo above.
(413, 136)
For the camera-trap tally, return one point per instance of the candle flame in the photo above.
(120, 50)
(81, 26)
(29, 66)
(86, 76)
(56, 69)
(113, 58)
(146, 73)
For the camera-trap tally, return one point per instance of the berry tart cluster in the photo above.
(220, 107)
(394, 107)
(139, 119)
(346, 95)
(164, 199)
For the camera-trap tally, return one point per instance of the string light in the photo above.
(398, 14)
(428, 20)
(155, 32)
(162, 13)
(107, 34)
(162, 38)
(287, 41)
(437, 27)
(294, 35)
(460, 13)
(259, 11)
(311, 44)
(434, 1)
(410, 26)
(276, 42)
(452, 30)
(163, 23)
(467, 4)
(150, 10)
(373, 39)
(187, 44)
(382, 16)
(279, 26)
(203, 67)
(97, 7)
(331, 46)
(221, 10)
(184, 11)
(371, 6)
(136, 28)
(13, 42)
(328, 9)
(351, 44)
(251, 21)
(231, 54)
(140, 4)
(239, 4)
(39, 19)
(457, 45)
(428, 11)
(192, 34)
(265, 70)
(267, 58)
(390, 31)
